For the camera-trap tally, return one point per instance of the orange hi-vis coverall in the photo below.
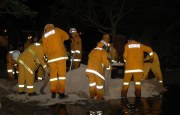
(133, 58)
(12, 66)
(154, 66)
(113, 53)
(96, 63)
(76, 50)
(53, 46)
(28, 62)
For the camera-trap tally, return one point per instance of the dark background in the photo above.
(154, 22)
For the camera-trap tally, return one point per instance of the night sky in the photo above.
(155, 20)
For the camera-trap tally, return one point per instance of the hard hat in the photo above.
(15, 54)
(72, 30)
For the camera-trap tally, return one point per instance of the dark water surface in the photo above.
(167, 104)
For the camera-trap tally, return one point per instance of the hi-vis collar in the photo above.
(49, 33)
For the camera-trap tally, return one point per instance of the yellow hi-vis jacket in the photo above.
(32, 58)
(53, 44)
(134, 56)
(97, 62)
(76, 46)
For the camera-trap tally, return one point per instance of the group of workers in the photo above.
(48, 56)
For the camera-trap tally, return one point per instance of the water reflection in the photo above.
(123, 106)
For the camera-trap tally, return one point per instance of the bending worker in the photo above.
(133, 58)
(98, 60)
(53, 46)
(76, 48)
(154, 66)
(28, 62)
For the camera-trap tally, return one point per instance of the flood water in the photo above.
(167, 104)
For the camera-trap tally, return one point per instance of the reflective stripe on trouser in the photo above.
(57, 70)
(40, 73)
(137, 79)
(75, 64)
(25, 77)
(97, 89)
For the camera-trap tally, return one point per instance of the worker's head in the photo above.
(48, 27)
(106, 38)
(73, 32)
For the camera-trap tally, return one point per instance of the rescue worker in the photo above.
(28, 62)
(28, 42)
(76, 48)
(53, 46)
(154, 66)
(12, 67)
(97, 61)
(133, 57)
(114, 59)
(40, 72)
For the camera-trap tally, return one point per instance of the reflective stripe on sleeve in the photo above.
(108, 68)
(95, 72)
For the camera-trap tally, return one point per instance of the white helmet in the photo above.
(72, 30)
(15, 54)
